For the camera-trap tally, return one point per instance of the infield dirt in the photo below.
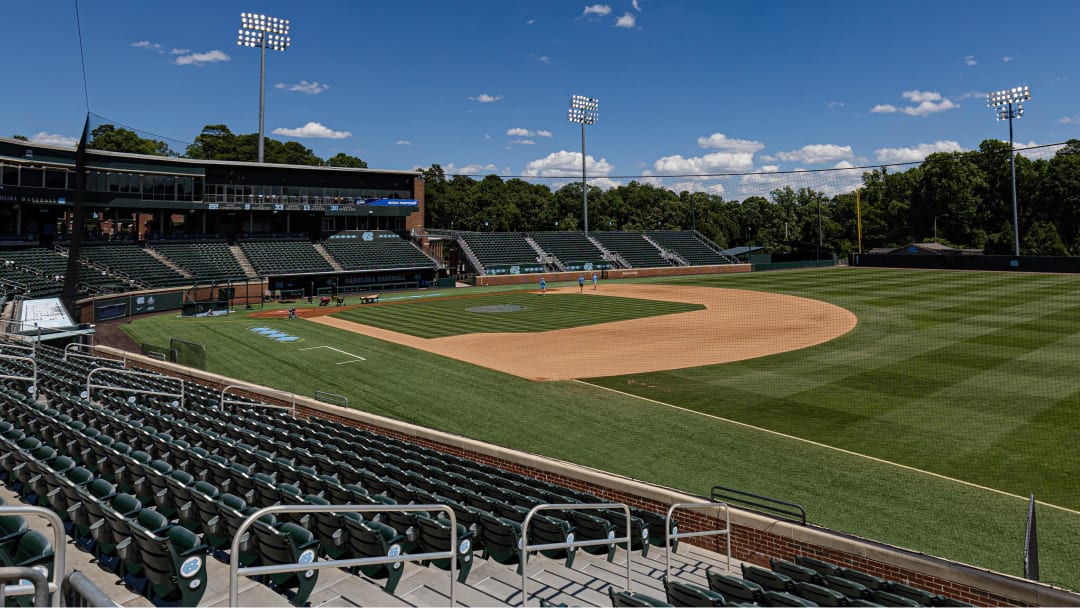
(734, 325)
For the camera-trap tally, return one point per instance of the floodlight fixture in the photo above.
(1008, 105)
(258, 30)
(584, 110)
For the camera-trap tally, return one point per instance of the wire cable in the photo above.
(82, 57)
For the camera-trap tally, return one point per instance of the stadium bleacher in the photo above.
(573, 249)
(687, 245)
(204, 260)
(633, 248)
(375, 249)
(132, 261)
(497, 251)
(284, 257)
(41, 270)
(151, 487)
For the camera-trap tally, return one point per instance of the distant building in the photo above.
(924, 249)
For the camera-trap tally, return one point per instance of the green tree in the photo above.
(342, 159)
(112, 139)
(20, 137)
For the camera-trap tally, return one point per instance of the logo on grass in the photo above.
(273, 334)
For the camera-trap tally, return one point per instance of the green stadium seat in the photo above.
(371, 539)
(688, 594)
(735, 589)
(871, 582)
(287, 543)
(173, 562)
(886, 598)
(920, 596)
(627, 598)
(781, 598)
(435, 537)
(769, 580)
(820, 595)
(797, 573)
(941, 600)
(849, 588)
(12, 527)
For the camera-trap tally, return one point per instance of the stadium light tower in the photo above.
(258, 30)
(585, 111)
(1008, 107)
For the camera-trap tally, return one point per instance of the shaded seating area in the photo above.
(132, 261)
(281, 257)
(205, 260)
(375, 250)
(41, 270)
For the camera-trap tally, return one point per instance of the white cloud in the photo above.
(485, 98)
(213, 56)
(473, 169)
(54, 139)
(634, 3)
(601, 10)
(179, 51)
(929, 102)
(530, 21)
(970, 60)
(1006, 59)
(525, 142)
(843, 165)
(835, 104)
(627, 21)
(916, 154)
(566, 164)
(814, 154)
(519, 132)
(402, 142)
(312, 129)
(694, 185)
(717, 162)
(311, 88)
(719, 141)
(1069, 120)
(146, 44)
(544, 59)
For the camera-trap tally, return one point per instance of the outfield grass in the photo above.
(906, 319)
(453, 316)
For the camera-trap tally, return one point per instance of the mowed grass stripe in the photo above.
(452, 316)
(934, 395)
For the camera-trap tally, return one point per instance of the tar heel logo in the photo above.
(588, 266)
(307, 557)
(515, 270)
(465, 546)
(190, 567)
(368, 236)
(394, 551)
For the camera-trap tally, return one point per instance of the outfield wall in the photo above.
(1023, 263)
(168, 298)
(485, 280)
(755, 538)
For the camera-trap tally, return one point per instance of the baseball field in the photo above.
(918, 408)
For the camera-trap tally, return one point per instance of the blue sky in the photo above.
(482, 86)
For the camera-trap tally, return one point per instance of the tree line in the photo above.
(966, 196)
(961, 199)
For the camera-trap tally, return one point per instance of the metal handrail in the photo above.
(138, 391)
(235, 571)
(59, 546)
(668, 536)
(78, 590)
(38, 586)
(342, 397)
(33, 364)
(222, 401)
(525, 547)
(797, 515)
(76, 345)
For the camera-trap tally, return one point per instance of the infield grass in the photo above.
(436, 318)
(968, 374)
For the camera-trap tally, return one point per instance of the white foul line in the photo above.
(355, 357)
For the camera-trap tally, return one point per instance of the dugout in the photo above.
(345, 283)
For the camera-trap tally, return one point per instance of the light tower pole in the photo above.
(583, 110)
(264, 32)
(1009, 106)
